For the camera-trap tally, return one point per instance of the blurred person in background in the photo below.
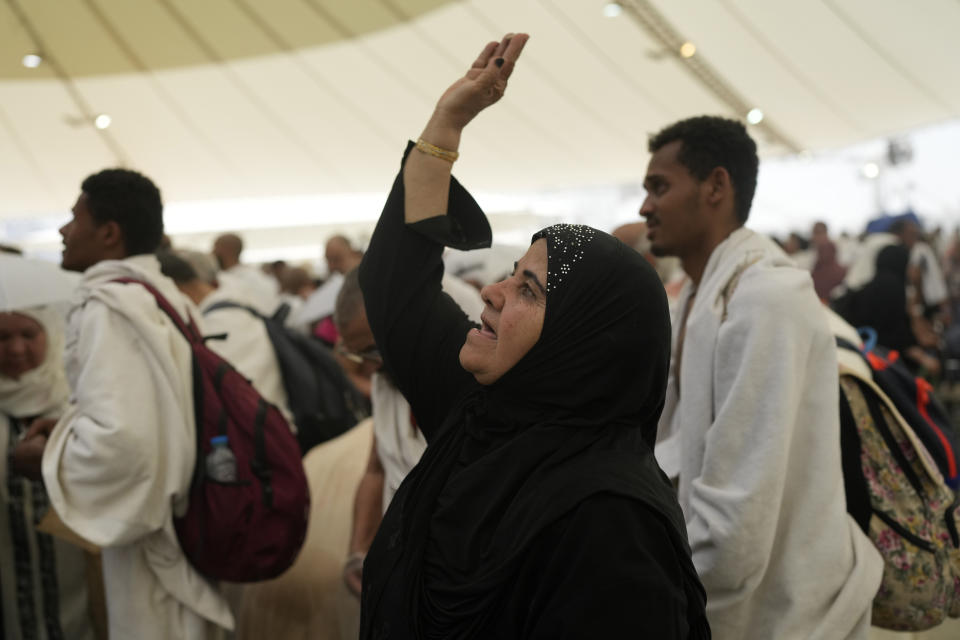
(253, 282)
(296, 287)
(275, 269)
(203, 264)
(397, 442)
(884, 305)
(634, 235)
(952, 268)
(316, 314)
(798, 248)
(927, 297)
(297, 281)
(827, 272)
(340, 255)
(43, 580)
(933, 293)
(480, 267)
(241, 337)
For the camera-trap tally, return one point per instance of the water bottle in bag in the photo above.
(221, 463)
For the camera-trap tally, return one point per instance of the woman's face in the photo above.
(512, 318)
(23, 344)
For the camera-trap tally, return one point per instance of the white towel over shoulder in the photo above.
(752, 429)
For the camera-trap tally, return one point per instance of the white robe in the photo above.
(262, 289)
(118, 464)
(320, 304)
(246, 346)
(934, 285)
(864, 265)
(399, 443)
(753, 431)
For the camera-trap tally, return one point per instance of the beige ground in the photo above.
(310, 602)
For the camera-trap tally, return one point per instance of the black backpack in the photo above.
(914, 400)
(323, 401)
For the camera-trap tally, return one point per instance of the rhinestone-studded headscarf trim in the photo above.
(604, 348)
(566, 244)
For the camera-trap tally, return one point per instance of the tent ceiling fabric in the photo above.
(98, 37)
(257, 98)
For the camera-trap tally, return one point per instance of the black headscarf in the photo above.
(575, 417)
(882, 302)
(602, 358)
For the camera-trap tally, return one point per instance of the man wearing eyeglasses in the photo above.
(397, 443)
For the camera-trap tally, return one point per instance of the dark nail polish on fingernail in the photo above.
(498, 62)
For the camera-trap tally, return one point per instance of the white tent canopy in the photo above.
(265, 98)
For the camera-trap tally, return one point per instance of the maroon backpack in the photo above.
(251, 526)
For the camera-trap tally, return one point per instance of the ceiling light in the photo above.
(687, 49)
(102, 121)
(612, 9)
(870, 170)
(755, 116)
(32, 61)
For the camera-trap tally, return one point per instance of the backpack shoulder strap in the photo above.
(846, 344)
(282, 313)
(188, 329)
(908, 431)
(226, 304)
(727, 292)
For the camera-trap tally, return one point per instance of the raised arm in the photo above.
(426, 177)
(418, 328)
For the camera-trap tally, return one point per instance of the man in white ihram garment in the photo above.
(238, 336)
(751, 426)
(258, 286)
(341, 258)
(117, 465)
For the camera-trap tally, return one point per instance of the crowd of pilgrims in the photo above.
(548, 455)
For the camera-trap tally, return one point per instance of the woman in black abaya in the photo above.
(538, 510)
(882, 302)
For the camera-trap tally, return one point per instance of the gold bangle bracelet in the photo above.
(432, 150)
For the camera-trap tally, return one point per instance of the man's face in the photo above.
(83, 239)
(819, 234)
(909, 235)
(340, 257)
(357, 340)
(219, 252)
(676, 219)
(23, 345)
(512, 318)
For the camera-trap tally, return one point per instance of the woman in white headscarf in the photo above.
(43, 581)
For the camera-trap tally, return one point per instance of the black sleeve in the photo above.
(612, 573)
(418, 328)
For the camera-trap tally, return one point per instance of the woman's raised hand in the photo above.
(483, 84)
(426, 176)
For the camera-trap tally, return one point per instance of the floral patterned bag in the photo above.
(899, 498)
